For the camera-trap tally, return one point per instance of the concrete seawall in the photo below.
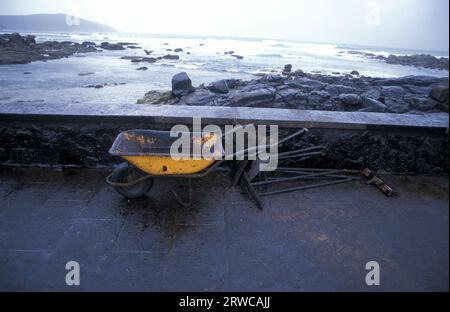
(391, 142)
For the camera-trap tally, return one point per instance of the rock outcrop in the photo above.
(440, 93)
(181, 85)
(421, 60)
(156, 97)
(299, 90)
(171, 57)
(17, 49)
(111, 46)
(220, 86)
(417, 60)
(287, 69)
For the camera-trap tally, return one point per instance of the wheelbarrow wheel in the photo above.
(125, 173)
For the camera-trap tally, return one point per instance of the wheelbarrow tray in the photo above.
(149, 150)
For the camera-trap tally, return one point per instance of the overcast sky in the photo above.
(415, 24)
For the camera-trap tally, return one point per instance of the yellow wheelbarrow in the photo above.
(147, 155)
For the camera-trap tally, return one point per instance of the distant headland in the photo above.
(50, 22)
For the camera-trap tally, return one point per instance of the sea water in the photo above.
(59, 81)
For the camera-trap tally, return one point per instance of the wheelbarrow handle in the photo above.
(296, 134)
(254, 150)
(240, 127)
(237, 128)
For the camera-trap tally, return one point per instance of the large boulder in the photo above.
(350, 99)
(30, 40)
(440, 93)
(181, 85)
(337, 89)
(156, 97)
(201, 97)
(232, 83)
(397, 106)
(220, 86)
(393, 91)
(422, 103)
(315, 98)
(171, 57)
(16, 39)
(287, 69)
(299, 73)
(273, 78)
(314, 84)
(372, 105)
(111, 46)
(260, 97)
(286, 96)
(149, 59)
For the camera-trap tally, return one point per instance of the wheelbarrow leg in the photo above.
(238, 173)
(251, 190)
(178, 198)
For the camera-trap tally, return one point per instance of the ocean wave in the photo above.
(187, 66)
(164, 64)
(283, 55)
(261, 71)
(275, 44)
(291, 56)
(269, 55)
(279, 45)
(231, 70)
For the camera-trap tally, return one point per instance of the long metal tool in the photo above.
(299, 177)
(306, 187)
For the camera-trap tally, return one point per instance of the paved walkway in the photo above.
(315, 240)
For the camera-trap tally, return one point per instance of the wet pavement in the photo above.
(314, 240)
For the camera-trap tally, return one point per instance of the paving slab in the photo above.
(314, 240)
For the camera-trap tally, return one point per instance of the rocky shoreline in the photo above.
(305, 91)
(292, 89)
(417, 60)
(17, 49)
